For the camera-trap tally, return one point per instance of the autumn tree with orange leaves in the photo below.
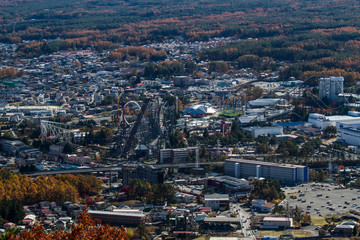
(26, 190)
(85, 228)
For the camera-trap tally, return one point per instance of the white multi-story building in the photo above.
(257, 131)
(285, 173)
(321, 121)
(331, 87)
(349, 132)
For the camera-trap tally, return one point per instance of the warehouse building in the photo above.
(277, 223)
(285, 173)
(118, 218)
(349, 132)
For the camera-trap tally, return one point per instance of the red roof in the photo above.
(268, 204)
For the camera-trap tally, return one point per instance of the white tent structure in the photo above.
(200, 110)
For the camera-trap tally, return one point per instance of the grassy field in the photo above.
(200, 238)
(318, 221)
(296, 233)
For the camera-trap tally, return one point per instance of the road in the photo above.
(245, 222)
(74, 171)
(117, 168)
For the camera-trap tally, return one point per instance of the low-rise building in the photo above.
(184, 197)
(277, 223)
(344, 229)
(229, 184)
(118, 218)
(217, 201)
(267, 207)
(257, 131)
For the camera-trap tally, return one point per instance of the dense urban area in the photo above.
(204, 120)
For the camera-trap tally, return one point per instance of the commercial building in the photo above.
(285, 173)
(309, 131)
(331, 87)
(322, 121)
(349, 132)
(345, 229)
(277, 222)
(13, 145)
(118, 218)
(148, 173)
(217, 201)
(263, 102)
(31, 110)
(257, 131)
(229, 184)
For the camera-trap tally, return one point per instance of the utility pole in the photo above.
(197, 160)
(176, 104)
(330, 167)
(218, 148)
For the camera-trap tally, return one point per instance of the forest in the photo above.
(315, 37)
(26, 190)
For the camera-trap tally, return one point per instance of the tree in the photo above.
(85, 228)
(143, 231)
(164, 192)
(306, 219)
(206, 134)
(68, 148)
(221, 67)
(190, 67)
(9, 233)
(263, 148)
(11, 210)
(330, 131)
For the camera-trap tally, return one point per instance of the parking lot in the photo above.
(323, 199)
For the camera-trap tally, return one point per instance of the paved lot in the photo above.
(323, 199)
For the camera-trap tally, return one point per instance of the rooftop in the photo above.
(264, 163)
(210, 197)
(116, 213)
(276, 219)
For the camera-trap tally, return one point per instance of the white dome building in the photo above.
(200, 110)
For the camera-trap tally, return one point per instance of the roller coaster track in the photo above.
(130, 139)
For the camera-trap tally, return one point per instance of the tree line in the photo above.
(26, 190)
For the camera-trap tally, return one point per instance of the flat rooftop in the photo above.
(116, 213)
(277, 219)
(284, 165)
(222, 220)
(216, 197)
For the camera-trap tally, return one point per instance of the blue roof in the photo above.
(200, 217)
(289, 124)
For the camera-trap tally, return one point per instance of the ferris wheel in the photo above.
(129, 112)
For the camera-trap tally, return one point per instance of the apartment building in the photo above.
(285, 173)
(331, 87)
(176, 155)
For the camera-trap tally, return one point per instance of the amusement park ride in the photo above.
(129, 129)
(132, 121)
